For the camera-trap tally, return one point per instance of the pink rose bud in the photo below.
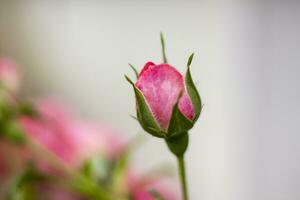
(161, 86)
(9, 76)
(168, 104)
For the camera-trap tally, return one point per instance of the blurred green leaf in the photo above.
(155, 194)
(97, 169)
(22, 187)
(13, 131)
(120, 167)
(27, 108)
(87, 169)
(89, 189)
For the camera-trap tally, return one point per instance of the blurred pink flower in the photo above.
(9, 160)
(72, 140)
(10, 165)
(140, 188)
(2, 167)
(9, 75)
(53, 192)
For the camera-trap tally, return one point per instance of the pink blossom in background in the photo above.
(139, 187)
(10, 165)
(53, 192)
(9, 75)
(9, 160)
(161, 86)
(91, 138)
(71, 139)
(142, 192)
(2, 166)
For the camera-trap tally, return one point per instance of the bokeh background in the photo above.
(246, 144)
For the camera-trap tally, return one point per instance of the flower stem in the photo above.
(181, 167)
(178, 146)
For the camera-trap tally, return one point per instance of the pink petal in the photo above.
(146, 67)
(54, 192)
(142, 195)
(185, 106)
(9, 75)
(161, 85)
(2, 167)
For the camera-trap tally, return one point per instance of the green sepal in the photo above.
(163, 48)
(144, 114)
(178, 123)
(192, 91)
(134, 70)
(134, 117)
(178, 145)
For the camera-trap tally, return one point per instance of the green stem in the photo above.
(181, 166)
(178, 146)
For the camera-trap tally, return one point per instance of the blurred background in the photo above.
(246, 144)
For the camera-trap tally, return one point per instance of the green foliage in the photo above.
(27, 109)
(23, 187)
(12, 131)
(97, 169)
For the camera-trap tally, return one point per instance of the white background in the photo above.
(246, 144)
